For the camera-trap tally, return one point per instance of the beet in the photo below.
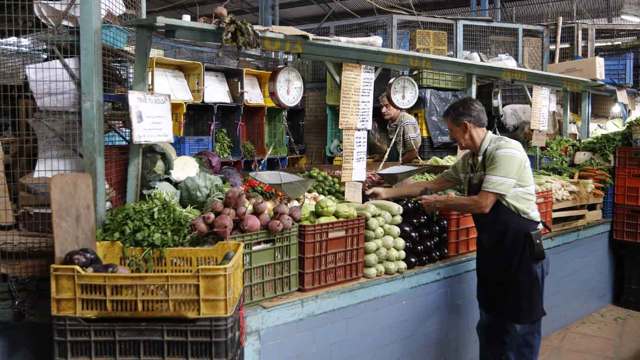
(199, 227)
(250, 224)
(241, 212)
(208, 218)
(260, 208)
(230, 213)
(275, 226)
(295, 213)
(223, 225)
(217, 206)
(286, 220)
(264, 220)
(281, 209)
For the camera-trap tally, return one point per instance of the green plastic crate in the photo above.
(333, 131)
(440, 80)
(270, 264)
(276, 133)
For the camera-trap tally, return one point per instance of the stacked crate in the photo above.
(626, 225)
(186, 304)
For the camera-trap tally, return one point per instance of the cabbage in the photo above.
(197, 190)
(370, 247)
(390, 268)
(401, 266)
(398, 244)
(379, 233)
(184, 167)
(325, 207)
(380, 269)
(370, 260)
(392, 254)
(307, 211)
(169, 191)
(210, 160)
(370, 272)
(232, 176)
(387, 242)
(344, 211)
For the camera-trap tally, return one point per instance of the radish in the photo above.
(264, 220)
(217, 206)
(230, 213)
(286, 220)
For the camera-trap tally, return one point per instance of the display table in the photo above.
(427, 313)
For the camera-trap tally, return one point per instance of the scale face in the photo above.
(286, 87)
(403, 92)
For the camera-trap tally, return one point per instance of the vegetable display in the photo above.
(326, 210)
(325, 184)
(197, 191)
(425, 235)
(384, 248)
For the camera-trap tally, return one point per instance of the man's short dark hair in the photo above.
(466, 109)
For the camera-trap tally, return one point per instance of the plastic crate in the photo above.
(263, 80)
(115, 36)
(272, 268)
(275, 132)
(544, 200)
(199, 120)
(191, 145)
(116, 164)
(628, 157)
(177, 117)
(607, 203)
(333, 131)
(419, 115)
(331, 253)
(193, 71)
(228, 117)
(434, 42)
(295, 136)
(618, 69)
(212, 338)
(627, 186)
(253, 128)
(439, 80)
(427, 150)
(461, 233)
(184, 282)
(626, 223)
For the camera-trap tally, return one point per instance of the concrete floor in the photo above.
(611, 333)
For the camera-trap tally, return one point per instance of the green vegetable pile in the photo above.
(248, 150)
(325, 184)
(223, 144)
(383, 246)
(156, 222)
(326, 210)
(424, 177)
(560, 152)
(447, 160)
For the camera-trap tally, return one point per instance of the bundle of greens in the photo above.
(223, 144)
(559, 152)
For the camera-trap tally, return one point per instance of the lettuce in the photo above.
(197, 190)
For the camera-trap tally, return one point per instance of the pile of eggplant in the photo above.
(425, 234)
(89, 261)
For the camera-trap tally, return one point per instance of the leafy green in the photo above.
(223, 144)
(156, 222)
(197, 190)
(559, 152)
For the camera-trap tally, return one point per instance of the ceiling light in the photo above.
(631, 10)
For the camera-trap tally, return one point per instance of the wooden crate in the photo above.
(576, 212)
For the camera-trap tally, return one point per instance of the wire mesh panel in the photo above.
(490, 40)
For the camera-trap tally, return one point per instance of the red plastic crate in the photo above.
(116, 163)
(627, 186)
(253, 128)
(626, 223)
(462, 233)
(544, 200)
(628, 157)
(331, 253)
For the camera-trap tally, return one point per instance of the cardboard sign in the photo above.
(354, 155)
(150, 118)
(539, 138)
(622, 96)
(356, 96)
(353, 191)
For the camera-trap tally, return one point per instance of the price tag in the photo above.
(354, 155)
(539, 138)
(356, 96)
(150, 117)
(353, 191)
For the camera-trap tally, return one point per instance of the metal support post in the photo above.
(484, 8)
(591, 41)
(566, 113)
(474, 7)
(276, 12)
(143, 48)
(331, 67)
(394, 32)
(265, 9)
(459, 39)
(578, 41)
(585, 114)
(92, 101)
(520, 46)
(498, 10)
(545, 49)
(472, 85)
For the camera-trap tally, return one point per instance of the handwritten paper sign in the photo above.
(150, 117)
(252, 92)
(539, 138)
(171, 82)
(216, 89)
(354, 155)
(356, 96)
(540, 108)
(553, 101)
(353, 191)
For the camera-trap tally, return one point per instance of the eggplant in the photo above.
(442, 223)
(405, 228)
(437, 240)
(445, 252)
(413, 237)
(432, 258)
(423, 260)
(415, 223)
(420, 249)
(409, 246)
(425, 234)
(435, 229)
(411, 261)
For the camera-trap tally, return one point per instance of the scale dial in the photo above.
(286, 87)
(403, 92)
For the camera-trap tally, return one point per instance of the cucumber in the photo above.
(388, 206)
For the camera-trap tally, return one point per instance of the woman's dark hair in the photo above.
(466, 109)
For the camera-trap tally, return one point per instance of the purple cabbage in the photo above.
(210, 160)
(232, 175)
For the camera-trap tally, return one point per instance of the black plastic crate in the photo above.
(93, 339)
(627, 279)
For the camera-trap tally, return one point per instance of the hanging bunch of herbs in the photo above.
(237, 32)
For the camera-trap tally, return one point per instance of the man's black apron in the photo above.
(508, 285)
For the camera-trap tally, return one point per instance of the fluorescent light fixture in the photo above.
(631, 11)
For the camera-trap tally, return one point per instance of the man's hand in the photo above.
(431, 203)
(377, 193)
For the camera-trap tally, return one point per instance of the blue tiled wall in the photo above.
(437, 320)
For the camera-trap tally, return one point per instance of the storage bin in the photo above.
(193, 72)
(439, 80)
(461, 233)
(253, 128)
(275, 132)
(618, 69)
(191, 145)
(182, 282)
(627, 186)
(331, 253)
(270, 264)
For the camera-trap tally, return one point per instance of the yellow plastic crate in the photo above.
(177, 116)
(193, 71)
(434, 41)
(263, 79)
(184, 283)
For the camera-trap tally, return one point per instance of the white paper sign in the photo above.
(216, 89)
(553, 101)
(353, 191)
(356, 96)
(52, 86)
(150, 118)
(173, 83)
(354, 155)
(252, 91)
(540, 108)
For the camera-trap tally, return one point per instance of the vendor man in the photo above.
(403, 130)
(500, 193)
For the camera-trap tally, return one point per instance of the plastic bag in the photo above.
(435, 102)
